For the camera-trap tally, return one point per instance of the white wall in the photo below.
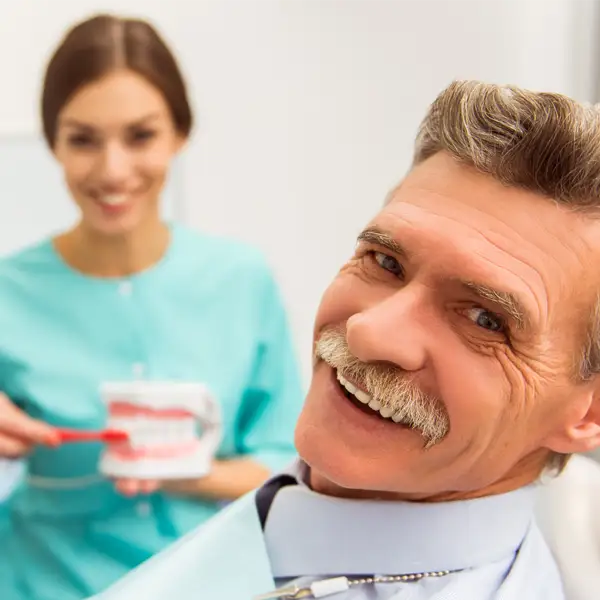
(307, 108)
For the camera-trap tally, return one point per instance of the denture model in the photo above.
(173, 430)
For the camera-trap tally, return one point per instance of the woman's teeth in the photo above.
(364, 398)
(113, 199)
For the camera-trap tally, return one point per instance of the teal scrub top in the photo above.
(209, 312)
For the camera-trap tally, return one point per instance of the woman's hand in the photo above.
(19, 432)
(135, 487)
(227, 480)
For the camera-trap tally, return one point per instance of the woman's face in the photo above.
(115, 141)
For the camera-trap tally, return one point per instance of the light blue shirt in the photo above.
(210, 312)
(491, 545)
(479, 541)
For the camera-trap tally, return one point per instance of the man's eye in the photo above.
(389, 263)
(486, 319)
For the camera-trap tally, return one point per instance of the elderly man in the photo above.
(456, 359)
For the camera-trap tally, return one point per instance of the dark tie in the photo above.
(266, 494)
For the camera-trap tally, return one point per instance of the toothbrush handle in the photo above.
(71, 435)
(74, 435)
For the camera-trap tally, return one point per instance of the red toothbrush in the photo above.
(108, 436)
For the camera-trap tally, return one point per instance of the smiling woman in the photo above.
(115, 113)
(124, 296)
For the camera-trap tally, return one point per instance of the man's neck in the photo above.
(523, 473)
(113, 256)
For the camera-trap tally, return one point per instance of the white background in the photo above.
(307, 108)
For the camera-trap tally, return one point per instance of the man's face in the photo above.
(457, 324)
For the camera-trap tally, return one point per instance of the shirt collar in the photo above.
(307, 533)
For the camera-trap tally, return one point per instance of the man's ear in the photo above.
(581, 432)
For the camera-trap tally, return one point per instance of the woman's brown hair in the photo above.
(102, 44)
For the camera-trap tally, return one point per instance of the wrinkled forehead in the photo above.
(462, 224)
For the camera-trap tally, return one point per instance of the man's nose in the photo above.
(391, 330)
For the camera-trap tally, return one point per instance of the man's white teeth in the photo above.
(384, 411)
(114, 199)
(375, 405)
(363, 397)
(349, 386)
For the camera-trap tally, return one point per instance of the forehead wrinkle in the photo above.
(485, 238)
(550, 253)
(449, 201)
(539, 305)
(565, 286)
(574, 243)
(542, 303)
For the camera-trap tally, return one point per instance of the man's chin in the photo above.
(330, 473)
(338, 470)
(337, 476)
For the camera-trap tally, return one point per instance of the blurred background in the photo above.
(306, 110)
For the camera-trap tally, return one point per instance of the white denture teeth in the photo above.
(149, 432)
(364, 398)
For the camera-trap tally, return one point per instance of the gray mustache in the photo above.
(389, 385)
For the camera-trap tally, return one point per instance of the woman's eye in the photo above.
(389, 263)
(81, 140)
(486, 319)
(141, 136)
